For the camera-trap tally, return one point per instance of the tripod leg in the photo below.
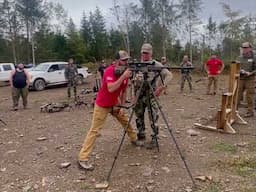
(173, 137)
(122, 139)
(153, 117)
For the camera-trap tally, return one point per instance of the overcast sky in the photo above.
(212, 8)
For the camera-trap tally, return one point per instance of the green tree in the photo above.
(211, 30)
(32, 13)
(189, 12)
(136, 37)
(232, 28)
(75, 43)
(10, 24)
(99, 42)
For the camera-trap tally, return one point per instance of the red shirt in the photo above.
(104, 97)
(214, 65)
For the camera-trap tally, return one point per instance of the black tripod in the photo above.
(150, 92)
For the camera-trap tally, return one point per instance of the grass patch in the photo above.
(214, 187)
(252, 146)
(248, 190)
(224, 147)
(84, 186)
(245, 167)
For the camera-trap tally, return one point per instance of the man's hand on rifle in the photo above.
(127, 74)
(121, 112)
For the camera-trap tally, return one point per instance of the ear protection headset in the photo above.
(117, 56)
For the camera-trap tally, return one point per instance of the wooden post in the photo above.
(228, 114)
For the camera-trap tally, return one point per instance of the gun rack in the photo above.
(228, 114)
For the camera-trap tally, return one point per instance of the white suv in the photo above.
(5, 71)
(52, 73)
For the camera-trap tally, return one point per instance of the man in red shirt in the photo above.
(213, 67)
(111, 94)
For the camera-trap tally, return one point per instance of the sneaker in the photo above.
(151, 145)
(137, 143)
(85, 165)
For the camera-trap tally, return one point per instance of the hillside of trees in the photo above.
(34, 31)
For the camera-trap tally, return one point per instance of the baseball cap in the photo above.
(146, 47)
(246, 45)
(123, 55)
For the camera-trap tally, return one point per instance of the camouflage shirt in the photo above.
(247, 64)
(70, 72)
(185, 64)
(155, 80)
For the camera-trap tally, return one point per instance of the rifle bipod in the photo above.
(2, 121)
(150, 92)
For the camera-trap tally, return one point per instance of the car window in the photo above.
(7, 67)
(40, 67)
(62, 66)
(54, 68)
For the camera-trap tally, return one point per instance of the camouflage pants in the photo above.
(16, 93)
(71, 83)
(184, 78)
(247, 85)
(212, 80)
(140, 107)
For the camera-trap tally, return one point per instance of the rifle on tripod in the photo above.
(145, 68)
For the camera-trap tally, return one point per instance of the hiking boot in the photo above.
(137, 143)
(151, 145)
(85, 165)
(141, 136)
(14, 109)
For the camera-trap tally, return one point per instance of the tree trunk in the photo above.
(28, 47)
(14, 51)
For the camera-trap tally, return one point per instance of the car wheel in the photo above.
(39, 84)
(79, 80)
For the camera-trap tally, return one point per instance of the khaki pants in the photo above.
(99, 117)
(248, 86)
(212, 80)
(16, 93)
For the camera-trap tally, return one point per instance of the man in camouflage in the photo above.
(247, 62)
(185, 73)
(70, 75)
(146, 99)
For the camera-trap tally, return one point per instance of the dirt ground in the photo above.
(33, 145)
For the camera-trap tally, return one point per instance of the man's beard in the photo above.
(248, 54)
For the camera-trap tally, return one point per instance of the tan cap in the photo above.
(246, 45)
(123, 55)
(146, 47)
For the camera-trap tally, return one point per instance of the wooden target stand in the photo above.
(228, 114)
